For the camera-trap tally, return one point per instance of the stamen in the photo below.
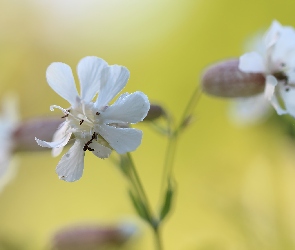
(52, 107)
(66, 114)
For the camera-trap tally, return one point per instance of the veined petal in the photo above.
(250, 110)
(252, 63)
(8, 169)
(55, 144)
(289, 99)
(59, 135)
(273, 33)
(70, 168)
(277, 106)
(130, 108)
(89, 73)
(114, 79)
(100, 150)
(60, 79)
(122, 140)
(271, 83)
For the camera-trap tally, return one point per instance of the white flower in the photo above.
(249, 110)
(9, 119)
(97, 126)
(276, 60)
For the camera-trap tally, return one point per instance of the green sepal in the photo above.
(140, 207)
(166, 207)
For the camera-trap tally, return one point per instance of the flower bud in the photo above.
(155, 112)
(26, 131)
(224, 79)
(92, 237)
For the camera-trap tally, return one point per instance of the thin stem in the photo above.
(140, 190)
(169, 159)
(138, 181)
(173, 135)
(189, 109)
(158, 240)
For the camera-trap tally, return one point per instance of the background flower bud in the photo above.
(224, 79)
(26, 131)
(92, 237)
(155, 112)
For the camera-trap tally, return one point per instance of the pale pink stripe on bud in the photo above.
(26, 131)
(92, 237)
(224, 79)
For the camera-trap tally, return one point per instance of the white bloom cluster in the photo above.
(97, 126)
(276, 60)
(9, 120)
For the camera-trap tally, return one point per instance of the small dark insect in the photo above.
(81, 122)
(86, 146)
(66, 115)
(97, 113)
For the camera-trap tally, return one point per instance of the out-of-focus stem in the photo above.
(137, 185)
(158, 239)
(173, 136)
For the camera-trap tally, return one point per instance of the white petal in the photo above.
(114, 79)
(250, 110)
(89, 73)
(55, 144)
(59, 135)
(70, 168)
(277, 106)
(251, 63)
(273, 33)
(10, 108)
(122, 140)
(271, 83)
(100, 150)
(8, 170)
(288, 99)
(128, 108)
(60, 79)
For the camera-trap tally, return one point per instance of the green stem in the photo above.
(169, 159)
(189, 109)
(141, 192)
(137, 181)
(173, 135)
(158, 240)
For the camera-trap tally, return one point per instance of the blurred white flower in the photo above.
(9, 119)
(276, 60)
(96, 126)
(250, 110)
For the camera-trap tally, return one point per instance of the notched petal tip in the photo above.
(70, 167)
(42, 143)
(224, 79)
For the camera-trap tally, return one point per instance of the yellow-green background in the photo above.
(236, 186)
